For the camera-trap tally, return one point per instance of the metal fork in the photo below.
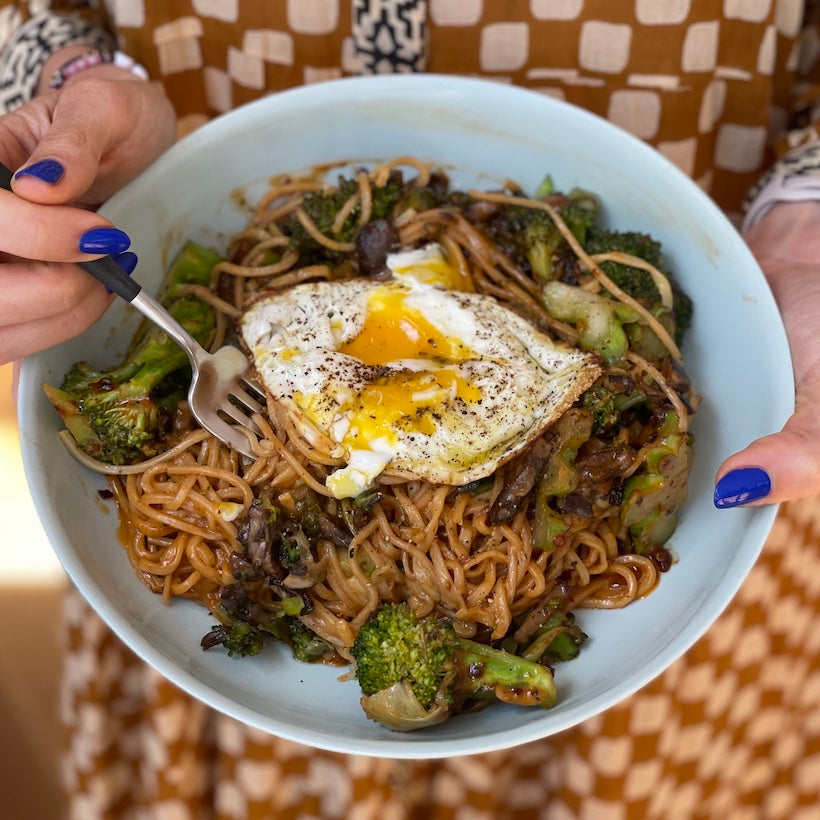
(222, 388)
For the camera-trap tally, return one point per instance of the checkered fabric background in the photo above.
(732, 730)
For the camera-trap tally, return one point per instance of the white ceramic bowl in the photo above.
(482, 132)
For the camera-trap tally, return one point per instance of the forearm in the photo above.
(786, 244)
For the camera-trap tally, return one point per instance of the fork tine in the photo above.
(239, 416)
(231, 435)
(253, 385)
(212, 419)
(222, 398)
(251, 403)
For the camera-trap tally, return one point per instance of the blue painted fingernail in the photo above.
(104, 240)
(742, 487)
(127, 261)
(49, 170)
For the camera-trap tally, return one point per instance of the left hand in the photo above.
(103, 128)
(786, 465)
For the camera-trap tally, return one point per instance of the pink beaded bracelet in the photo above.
(92, 58)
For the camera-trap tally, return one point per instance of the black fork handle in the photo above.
(104, 270)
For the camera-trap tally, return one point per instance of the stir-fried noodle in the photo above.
(441, 548)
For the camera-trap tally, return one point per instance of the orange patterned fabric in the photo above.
(701, 81)
(711, 84)
(732, 730)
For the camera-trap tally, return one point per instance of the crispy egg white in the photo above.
(404, 375)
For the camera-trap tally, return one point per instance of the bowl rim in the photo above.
(760, 521)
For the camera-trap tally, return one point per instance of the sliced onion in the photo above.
(399, 709)
(128, 469)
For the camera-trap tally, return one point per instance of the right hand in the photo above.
(104, 130)
(787, 246)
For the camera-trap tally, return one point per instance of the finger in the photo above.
(36, 290)
(19, 340)
(55, 233)
(15, 379)
(100, 134)
(779, 467)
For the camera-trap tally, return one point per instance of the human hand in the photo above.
(71, 149)
(786, 465)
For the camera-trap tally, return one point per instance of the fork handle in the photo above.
(105, 270)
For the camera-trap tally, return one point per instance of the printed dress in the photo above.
(731, 730)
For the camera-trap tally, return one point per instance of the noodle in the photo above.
(435, 546)
(592, 267)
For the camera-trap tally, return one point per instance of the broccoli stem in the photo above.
(485, 672)
(118, 416)
(598, 319)
(652, 496)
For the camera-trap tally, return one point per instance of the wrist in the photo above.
(787, 229)
(793, 179)
(784, 242)
(32, 44)
(78, 60)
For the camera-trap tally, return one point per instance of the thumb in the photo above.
(779, 467)
(66, 161)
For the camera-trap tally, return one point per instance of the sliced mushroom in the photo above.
(374, 242)
(520, 478)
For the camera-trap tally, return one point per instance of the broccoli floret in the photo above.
(608, 405)
(601, 403)
(531, 238)
(238, 637)
(541, 240)
(681, 311)
(435, 672)
(307, 646)
(636, 281)
(290, 552)
(384, 199)
(323, 207)
(121, 415)
(580, 212)
(598, 319)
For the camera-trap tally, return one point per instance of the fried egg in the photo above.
(410, 377)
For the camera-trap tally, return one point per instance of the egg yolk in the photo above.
(405, 401)
(431, 268)
(392, 331)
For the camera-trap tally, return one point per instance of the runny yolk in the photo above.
(432, 269)
(406, 400)
(393, 331)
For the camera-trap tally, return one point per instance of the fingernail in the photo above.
(742, 487)
(104, 240)
(127, 261)
(49, 170)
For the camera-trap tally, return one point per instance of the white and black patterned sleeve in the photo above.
(29, 46)
(390, 36)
